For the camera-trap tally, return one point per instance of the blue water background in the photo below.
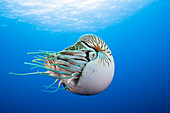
(140, 45)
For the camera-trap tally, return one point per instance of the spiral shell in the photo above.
(98, 72)
(85, 68)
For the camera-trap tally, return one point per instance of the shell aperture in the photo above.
(85, 68)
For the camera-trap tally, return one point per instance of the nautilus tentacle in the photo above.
(85, 68)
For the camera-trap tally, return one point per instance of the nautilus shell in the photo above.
(85, 68)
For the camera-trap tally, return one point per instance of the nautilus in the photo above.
(84, 68)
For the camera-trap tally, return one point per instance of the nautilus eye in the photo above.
(84, 68)
(92, 55)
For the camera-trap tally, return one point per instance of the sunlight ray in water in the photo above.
(70, 15)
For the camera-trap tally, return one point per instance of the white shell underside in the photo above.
(95, 78)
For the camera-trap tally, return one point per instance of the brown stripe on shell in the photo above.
(97, 43)
(94, 42)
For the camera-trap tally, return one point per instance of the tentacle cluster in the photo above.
(59, 65)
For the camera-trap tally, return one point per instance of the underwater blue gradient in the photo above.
(141, 48)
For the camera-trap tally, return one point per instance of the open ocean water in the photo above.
(140, 45)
